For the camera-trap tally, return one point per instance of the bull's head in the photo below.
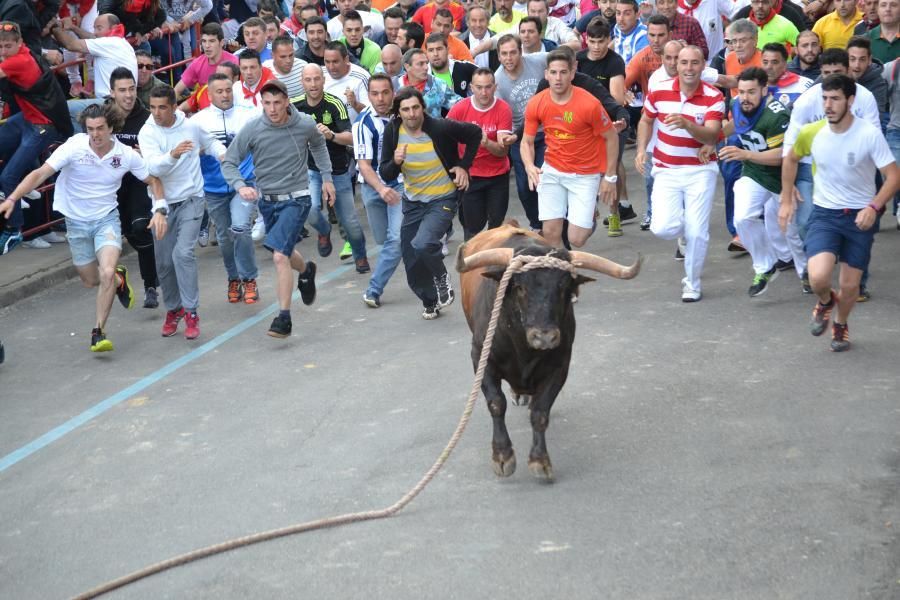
(540, 299)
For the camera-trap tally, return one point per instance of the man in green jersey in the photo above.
(760, 126)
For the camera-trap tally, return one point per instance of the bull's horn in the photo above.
(593, 262)
(485, 258)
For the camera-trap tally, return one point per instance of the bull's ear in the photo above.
(579, 279)
(495, 273)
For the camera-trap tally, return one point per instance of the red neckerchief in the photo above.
(136, 6)
(266, 76)
(688, 8)
(418, 86)
(788, 79)
(292, 25)
(762, 23)
(116, 31)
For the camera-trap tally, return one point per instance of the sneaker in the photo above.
(280, 327)
(840, 337)
(191, 325)
(306, 283)
(325, 246)
(251, 292)
(173, 318)
(9, 239)
(761, 282)
(234, 291)
(645, 222)
(864, 294)
(346, 251)
(37, 244)
(626, 214)
(804, 283)
(615, 226)
(259, 230)
(151, 298)
(689, 294)
(2, 353)
(431, 312)
(784, 265)
(445, 250)
(735, 245)
(820, 316)
(33, 195)
(372, 300)
(304, 233)
(362, 265)
(444, 290)
(680, 249)
(203, 239)
(99, 343)
(54, 237)
(123, 290)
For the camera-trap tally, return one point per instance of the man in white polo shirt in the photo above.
(91, 167)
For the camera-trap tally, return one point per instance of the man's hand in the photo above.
(6, 207)
(534, 176)
(620, 125)
(705, 153)
(866, 218)
(248, 194)
(328, 192)
(460, 178)
(67, 23)
(730, 153)
(327, 133)
(507, 138)
(54, 57)
(677, 121)
(400, 154)
(351, 97)
(789, 199)
(389, 195)
(159, 224)
(182, 148)
(607, 192)
(640, 162)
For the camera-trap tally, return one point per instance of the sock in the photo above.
(624, 203)
(285, 314)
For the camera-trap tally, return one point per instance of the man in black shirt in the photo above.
(316, 40)
(601, 63)
(333, 120)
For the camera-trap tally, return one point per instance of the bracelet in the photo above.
(877, 210)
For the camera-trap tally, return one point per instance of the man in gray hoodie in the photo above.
(283, 181)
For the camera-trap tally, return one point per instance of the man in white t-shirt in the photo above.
(286, 67)
(91, 167)
(846, 151)
(347, 81)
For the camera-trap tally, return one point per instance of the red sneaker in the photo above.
(234, 290)
(173, 317)
(251, 293)
(191, 325)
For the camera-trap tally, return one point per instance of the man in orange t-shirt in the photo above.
(579, 137)
(743, 34)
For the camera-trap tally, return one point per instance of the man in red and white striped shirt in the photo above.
(689, 114)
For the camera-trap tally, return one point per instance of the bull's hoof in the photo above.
(504, 466)
(541, 468)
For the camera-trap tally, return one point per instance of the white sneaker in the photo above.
(54, 237)
(36, 243)
(33, 195)
(689, 294)
(24, 205)
(259, 230)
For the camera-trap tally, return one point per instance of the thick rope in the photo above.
(517, 264)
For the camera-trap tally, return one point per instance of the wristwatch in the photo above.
(163, 211)
(611, 178)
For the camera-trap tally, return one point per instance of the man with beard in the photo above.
(784, 86)
(505, 19)
(806, 61)
(316, 40)
(456, 74)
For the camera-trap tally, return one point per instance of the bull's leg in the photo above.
(541, 403)
(502, 455)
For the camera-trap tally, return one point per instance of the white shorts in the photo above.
(567, 196)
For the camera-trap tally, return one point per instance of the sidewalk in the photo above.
(27, 271)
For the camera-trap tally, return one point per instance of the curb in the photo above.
(34, 283)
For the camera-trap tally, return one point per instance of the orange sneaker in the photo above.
(234, 290)
(251, 294)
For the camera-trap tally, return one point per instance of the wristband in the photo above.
(877, 210)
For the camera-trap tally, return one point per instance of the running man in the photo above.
(569, 181)
(91, 167)
(845, 151)
(283, 181)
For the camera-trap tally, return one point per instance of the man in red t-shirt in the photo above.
(579, 136)
(26, 134)
(425, 14)
(487, 198)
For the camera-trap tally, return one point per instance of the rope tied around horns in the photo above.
(518, 264)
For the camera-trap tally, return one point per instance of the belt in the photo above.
(283, 197)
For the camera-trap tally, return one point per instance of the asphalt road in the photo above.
(703, 451)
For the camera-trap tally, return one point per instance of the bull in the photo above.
(532, 345)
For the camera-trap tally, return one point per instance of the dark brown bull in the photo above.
(532, 344)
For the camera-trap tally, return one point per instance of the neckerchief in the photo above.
(688, 8)
(744, 123)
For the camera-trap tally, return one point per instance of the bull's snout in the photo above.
(542, 339)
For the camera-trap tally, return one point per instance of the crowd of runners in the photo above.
(424, 112)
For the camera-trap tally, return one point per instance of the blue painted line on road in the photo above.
(101, 407)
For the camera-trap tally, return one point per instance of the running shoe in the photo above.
(151, 298)
(645, 222)
(346, 251)
(804, 283)
(444, 290)
(761, 282)
(615, 226)
(784, 265)
(840, 337)
(821, 315)
(735, 245)
(9, 239)
(431, 312)
(304, 233)
(325, 246)
(234, 291)
(362, 265)
(372, 300)
(123, 289)
(689, 294)
(203, 238)
(54, 237)
(251, 292)
(191, 325)
(36, 244)
(864, 294)
(99, 343)
(173, 318)
(626, 214)
(259, 230)
(306, 283)
(680, 249)
(280, 327)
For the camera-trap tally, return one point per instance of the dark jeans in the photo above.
(527, 197)
(731, 172)
(485, 202)
(424, 223)
(170, 51)
(21, 146)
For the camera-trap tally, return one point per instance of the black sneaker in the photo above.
(99, 343)
(306, 283)
(761, 282)
(324, 245)
(840, 337)
(151, 298)
(804, 283)
(444, 290)
(280, 327)
(431, 312)
(123, 290)
(372, 300)
(626, 214)
(304, 233)
(784, 265)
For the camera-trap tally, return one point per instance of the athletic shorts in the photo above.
(284, 220)
(835, 231)
(567, 196)
(86, 238)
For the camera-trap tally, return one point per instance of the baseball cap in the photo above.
(273, 85)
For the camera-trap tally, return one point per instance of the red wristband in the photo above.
(877, 210)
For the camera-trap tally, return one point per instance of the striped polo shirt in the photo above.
(676, 148)
(423, 173)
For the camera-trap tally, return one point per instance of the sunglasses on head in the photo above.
(9, 27)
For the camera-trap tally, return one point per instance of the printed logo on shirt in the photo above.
(568, 116)
(699, 118)
(784, 99)
(326, 119)
(116, 162)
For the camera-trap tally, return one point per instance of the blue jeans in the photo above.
(21, 145)
(804, 184)
(527, 197)
(424, 223)
(385, 221)
(893, 140)
(344, 208)
(231, 214)
(731, 172)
